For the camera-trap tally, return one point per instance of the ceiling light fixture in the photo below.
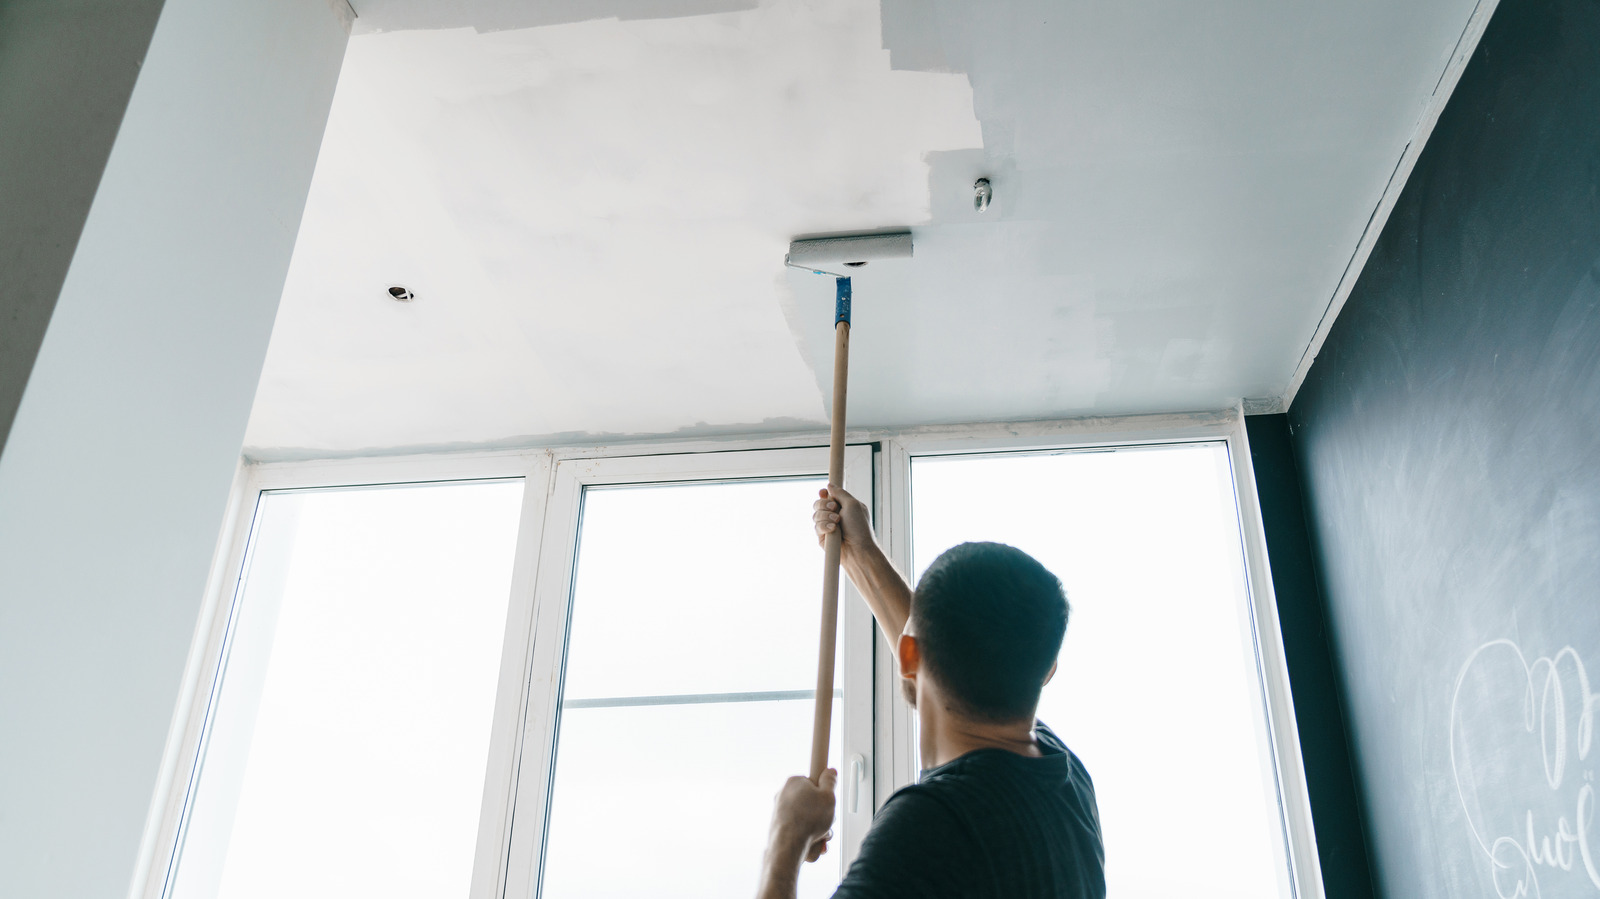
(982, 193)
(402, 294)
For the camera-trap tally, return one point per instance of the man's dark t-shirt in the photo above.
(988, 824)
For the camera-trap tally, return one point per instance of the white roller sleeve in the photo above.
(835, 250)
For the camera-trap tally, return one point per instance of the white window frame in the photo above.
(161, 848)
(516, 789)
(530, 814)
(1297, 858)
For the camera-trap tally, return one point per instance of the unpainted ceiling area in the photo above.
(592, 200)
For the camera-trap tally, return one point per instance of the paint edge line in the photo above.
(1466, 46)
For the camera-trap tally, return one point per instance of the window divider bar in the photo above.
(623, 702)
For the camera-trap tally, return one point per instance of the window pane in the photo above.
(352, 731)
(696, 588)
(687, 790)
(1157, 689)
(702, 590)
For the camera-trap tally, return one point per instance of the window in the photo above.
(686, 675)
(348, 748)
(691, 666)
(448, 685)
(1158, 689)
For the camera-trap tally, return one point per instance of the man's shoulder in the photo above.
(1049, 743)
(1052, 744)
(927, 802)
(917, 846)
(930, 813)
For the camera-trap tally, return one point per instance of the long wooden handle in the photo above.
(822, 721)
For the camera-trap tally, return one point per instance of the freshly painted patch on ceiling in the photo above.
(593, 217)
(593, 214)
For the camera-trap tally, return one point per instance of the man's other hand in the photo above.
(837, 509)
(803, 814)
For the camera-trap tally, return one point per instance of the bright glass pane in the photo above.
(695, 588)
(687, 589)
(1157, 688)
(687, 789)
(352, 731)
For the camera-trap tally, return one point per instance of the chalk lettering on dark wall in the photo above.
(1520, 738)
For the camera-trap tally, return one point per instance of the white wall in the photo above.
(115, 474)
(67, 68)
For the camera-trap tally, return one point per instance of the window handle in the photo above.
(858, 775)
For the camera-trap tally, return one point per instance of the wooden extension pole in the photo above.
(822, 721)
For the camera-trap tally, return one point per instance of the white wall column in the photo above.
(116, 470)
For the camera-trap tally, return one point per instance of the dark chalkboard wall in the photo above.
(1449, 441)
(1313, 679)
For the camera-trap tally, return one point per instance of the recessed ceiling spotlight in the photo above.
(982, 193)
(403, 294)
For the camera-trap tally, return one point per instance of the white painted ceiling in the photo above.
(592, 199)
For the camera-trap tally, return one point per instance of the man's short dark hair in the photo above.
(989, 621)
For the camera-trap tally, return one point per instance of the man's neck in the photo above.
(947, 736)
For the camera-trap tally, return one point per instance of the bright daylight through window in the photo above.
(349, 733)
(691, 663)
(1157, 690)
(347, 751)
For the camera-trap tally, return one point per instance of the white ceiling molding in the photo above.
(1391, 192)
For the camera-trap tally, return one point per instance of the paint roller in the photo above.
(817, 256)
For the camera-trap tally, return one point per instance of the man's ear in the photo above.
(1053, 666)
(910, 656)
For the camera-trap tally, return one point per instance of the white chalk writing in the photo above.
(1549, 690)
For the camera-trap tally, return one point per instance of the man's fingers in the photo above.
(810, 807)
(828, 512)
(819, 848)
(824, 522)
(822, 526)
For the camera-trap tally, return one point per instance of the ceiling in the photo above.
(591, 200)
